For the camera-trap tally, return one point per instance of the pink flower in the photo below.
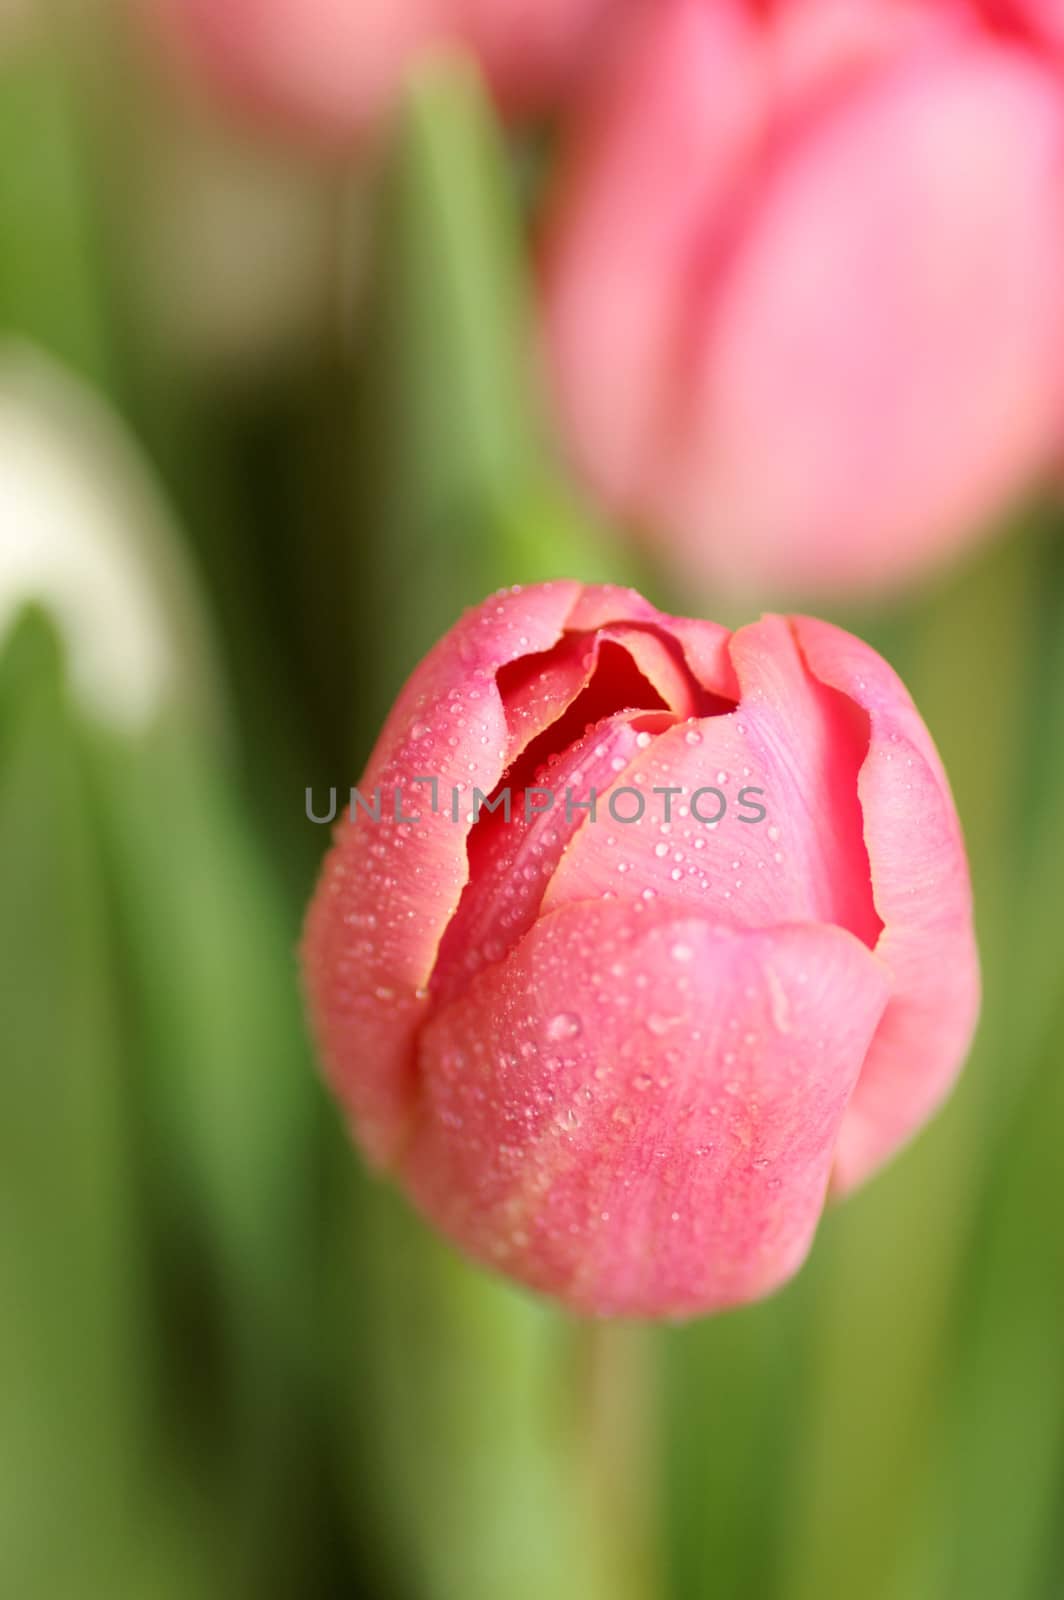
(623, 1060)
(335, 67)
(802, 281)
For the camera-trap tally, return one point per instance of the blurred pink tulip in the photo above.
(803, 277)
(1045, 18)
(623, 1060)
(335, 67)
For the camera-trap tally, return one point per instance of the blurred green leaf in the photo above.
(995, 1499)
(466, 496)
(208, 951)
(50, 291)
(72, 1331)
(458, 277)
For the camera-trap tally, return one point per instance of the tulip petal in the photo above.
(512, 856)
(793, 747)
(922, 893)
(892, 348)
(683, 661)
(529, 51)
(1044, 18)
(337, 66)
(328, 64)
(389, 889)
(704, 644)
(660, 666)
(654, 156)
(600, 604)
(637, 1110)
(547, 796)
(821, 47)
(705, 647)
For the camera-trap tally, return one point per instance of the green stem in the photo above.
(619, 1422)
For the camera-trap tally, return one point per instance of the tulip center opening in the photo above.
(615, 685)
(605, 702)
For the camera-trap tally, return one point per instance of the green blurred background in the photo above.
(296, 409)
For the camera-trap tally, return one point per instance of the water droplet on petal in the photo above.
(566, 1025)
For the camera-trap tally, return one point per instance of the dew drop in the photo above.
(566, 1025)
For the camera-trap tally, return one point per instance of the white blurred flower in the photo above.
(85, 532)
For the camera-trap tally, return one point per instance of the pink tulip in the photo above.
(623, 1061)
(802, 281)
(1044, 18)
(335, 67)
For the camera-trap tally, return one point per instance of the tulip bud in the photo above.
(335, 67)
(640, 934)
(801, 283)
